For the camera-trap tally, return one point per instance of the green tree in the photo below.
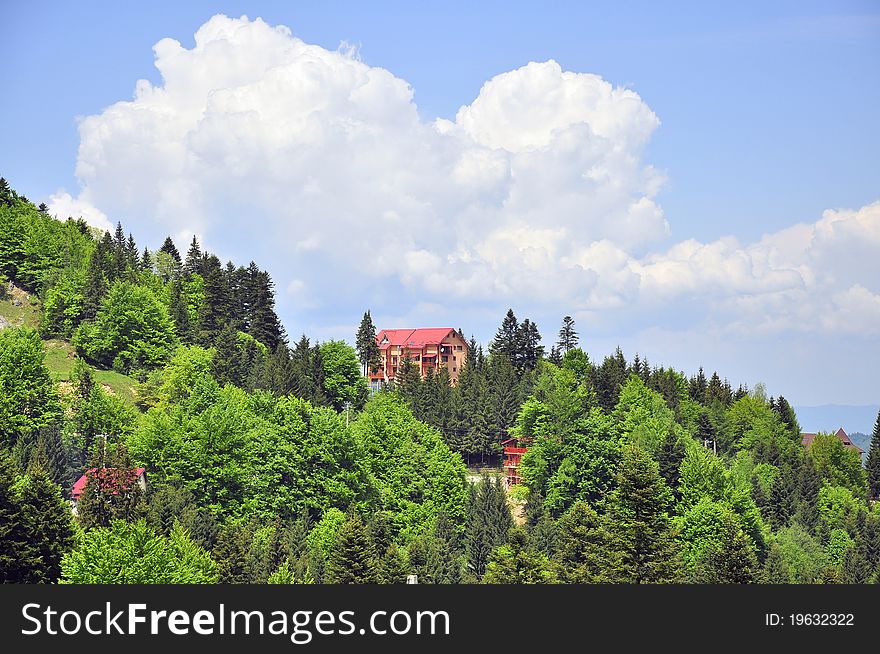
(873, 464)
(732, 559)
(343, 382)
(352, 560)
(48, 524)
(638, 525)
(368, 350)
(775, 567)
(28, 401)
(131, 553)
(568, 337)
(581, 550)
(515, 563)
(131, 330)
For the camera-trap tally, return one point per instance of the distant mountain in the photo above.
(830, 417)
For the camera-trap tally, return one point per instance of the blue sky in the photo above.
(764, 118)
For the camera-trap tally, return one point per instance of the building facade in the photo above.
(429, 349)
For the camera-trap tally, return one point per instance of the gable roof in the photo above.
(412, 338)
(807, 440)
(80, 484)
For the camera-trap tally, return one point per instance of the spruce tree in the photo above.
(49, 526)
(14, 546)
(506, 341)
(580, 546)
(568, 337)
(352, 560)
(873, 463)
(231, 553)
(368, 350)
(170, 249)
(263, 323)
(193, 261)
(775, 567)
(489, 520)
(855, 569)
(732, 560)
(638, 526)
(669, 458)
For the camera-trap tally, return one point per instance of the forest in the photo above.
(270, 461)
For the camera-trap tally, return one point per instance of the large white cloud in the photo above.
(319, 167)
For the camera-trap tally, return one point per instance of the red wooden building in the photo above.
(513, 451)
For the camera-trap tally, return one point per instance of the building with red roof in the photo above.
(108, 479)
(429, 349)
(807, 441)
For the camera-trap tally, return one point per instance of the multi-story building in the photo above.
(429, 349)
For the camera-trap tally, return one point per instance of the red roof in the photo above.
(807, 440)
(80, 485)
(415, 339)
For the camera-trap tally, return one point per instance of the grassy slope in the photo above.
(60, 354)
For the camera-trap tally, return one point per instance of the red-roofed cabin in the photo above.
(513, 451)
(807, 441)
(430, 350)
(139, 475)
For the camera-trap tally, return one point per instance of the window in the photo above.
(458, 348)
(446, 359)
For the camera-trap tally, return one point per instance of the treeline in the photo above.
(478, 414)
(129, 309)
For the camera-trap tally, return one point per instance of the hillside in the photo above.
(21, 309)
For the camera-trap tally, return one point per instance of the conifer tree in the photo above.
(489, 520)
(146, 260)
(568, 337)
(855, 569)
(96, 281)
(515, 562)
(775, 567)
(231, 553)
(48, 524)
(368, 350)
(214, 311)
(580, 546)
(180, 313)
(170, 249)
(732, 560)
(112, 490)
(263, 323)
(352, 560)
(873, 463)
(506, 341)
(193, 261)
(669, 458)
(14, 546)
(638, 526)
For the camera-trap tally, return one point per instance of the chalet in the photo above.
(807, 441)
(429, 349)
(139, 475)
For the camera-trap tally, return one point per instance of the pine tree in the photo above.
(170, 249)
(580, 546)
(775, 567)
(506, 341)
(263, 323)
(146, 260)
(231, 553)
(215, 307)
(7, 195)
(352, 560)
(610, 378)
(48, 524)
(873, 463)
(856, 569)
(732, 560)
(555, 356)
(193, 261)
(781, 498)
(638, 526)
(96, 279)
(489, 520)
(529, 349)
(368, 350)
(14, 547)
(228, 365)
(568, 337)
(669, 458)
(516, 563)
(180, 313)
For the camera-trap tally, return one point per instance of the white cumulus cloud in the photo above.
(319, 167)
